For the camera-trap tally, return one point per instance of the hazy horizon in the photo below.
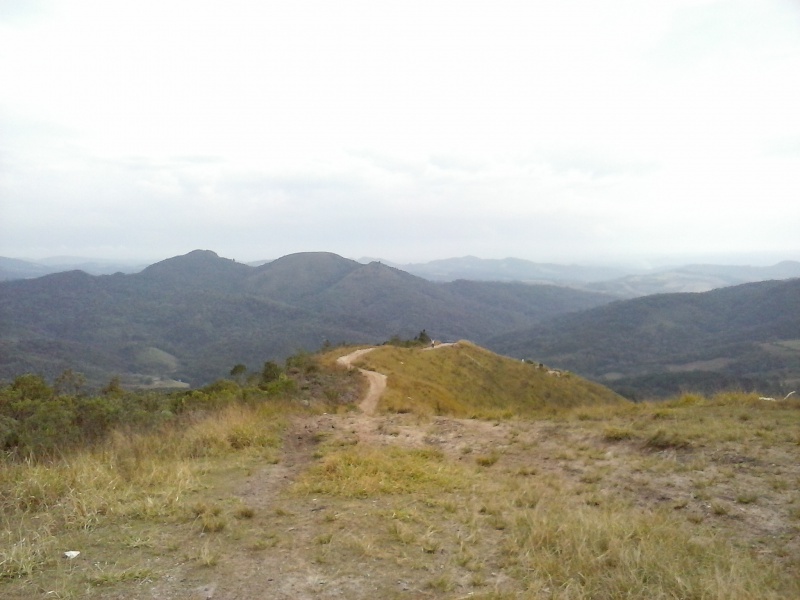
(553, 132)
(638, 263)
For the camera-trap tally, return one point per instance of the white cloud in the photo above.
(404, 130)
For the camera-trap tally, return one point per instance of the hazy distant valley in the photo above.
(187, 320)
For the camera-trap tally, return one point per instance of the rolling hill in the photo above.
(550, 487)
(624, 282)
(193, 317)
(466, 380)
(744, 336)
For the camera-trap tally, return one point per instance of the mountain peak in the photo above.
(199, 267)
(301, 275)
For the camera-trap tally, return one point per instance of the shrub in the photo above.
(271, 372)
(31, 387)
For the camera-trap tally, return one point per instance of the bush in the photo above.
(9, 434)
(95, 416)
(279, 387)
(302, 363)
(50, 430)
(31, 387)
(271, 372)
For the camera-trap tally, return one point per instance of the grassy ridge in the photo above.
(465, 380)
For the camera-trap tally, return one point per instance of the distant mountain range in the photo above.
(193, 317)
(621, 282)
(612, 280)
(15, 268)
(694, 278)
(510, 269)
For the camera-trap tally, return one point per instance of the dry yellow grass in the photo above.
(465, 380)
(132, 477)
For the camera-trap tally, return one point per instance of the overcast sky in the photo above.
(577, 130)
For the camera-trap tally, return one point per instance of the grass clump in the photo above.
(596, 552)
(114, 576)
(487, 460)
(618, 434)
(664, 439)
(359, 472)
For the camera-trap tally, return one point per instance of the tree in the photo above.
(31, 387)
(69, 383)
(271, 372)
(423, 338)
(113, 388)
(239, 372)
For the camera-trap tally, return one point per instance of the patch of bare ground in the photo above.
(469, 535)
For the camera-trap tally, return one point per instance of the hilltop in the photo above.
(465, 380)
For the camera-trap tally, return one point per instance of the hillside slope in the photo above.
(509, 269)
(746, 336)
(465, 380)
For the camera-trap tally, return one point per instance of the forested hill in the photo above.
(745, 336)
(193, 317)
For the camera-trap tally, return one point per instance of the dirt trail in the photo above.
(377, 381)
(438, 345)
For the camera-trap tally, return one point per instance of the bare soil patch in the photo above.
(447, 546)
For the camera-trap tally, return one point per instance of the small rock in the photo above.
(71, 553)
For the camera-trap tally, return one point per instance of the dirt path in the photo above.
(440, 345)
(377, 381)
